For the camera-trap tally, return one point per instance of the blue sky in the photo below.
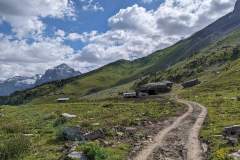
(86, 20)
(87, 34)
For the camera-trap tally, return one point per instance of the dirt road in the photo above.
(179, 141)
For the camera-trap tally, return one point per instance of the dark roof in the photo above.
(153, 85)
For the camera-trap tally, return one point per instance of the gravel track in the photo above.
(178, 141)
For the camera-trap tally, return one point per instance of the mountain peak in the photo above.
(60, 72)
(62, 66)
(237, 7)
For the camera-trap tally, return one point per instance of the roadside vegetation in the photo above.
(218, 69)
(221, 96)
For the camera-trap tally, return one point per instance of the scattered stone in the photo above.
(232, 141)
(28, 135)
(69, 116)
(77, 155)
(96, 124)
(233, 98)
(106, 143)
(94, 135)
(73, 134)
(120, 134)
(73, 147)
(131, 130)
(204, 147)
(235, 156)
(147, 123)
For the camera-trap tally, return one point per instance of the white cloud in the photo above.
(24, 16)
(17, 57)
(60, 33)
(136, 32)
(84, 37)
(134, 18)
(91, 5)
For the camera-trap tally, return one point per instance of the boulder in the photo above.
(232, 134)
(232, 131)
(191, 83)
(77, 155)
(68, 116)
(235, 155)
(232, 141)
(73, 134)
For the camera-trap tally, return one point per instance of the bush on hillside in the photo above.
(93, 151)
(14, 148)
(59, 121)
(14, 128)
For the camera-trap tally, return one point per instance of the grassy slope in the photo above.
(217, 93)
(219, 70)
(39, 120)
(111, 75)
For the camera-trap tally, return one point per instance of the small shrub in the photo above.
(108, 105)
(93, 151)
(85, 124)
(218, 95)
(14, 128)
(14, 148)
(59, 134)
(49, 116)
(238, 98)
(60, 121)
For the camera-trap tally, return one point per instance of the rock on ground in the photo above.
(77, 155)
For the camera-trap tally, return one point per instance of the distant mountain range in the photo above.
(20, 83)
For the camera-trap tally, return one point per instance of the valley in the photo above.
(87, 117)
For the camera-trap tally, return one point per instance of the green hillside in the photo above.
(207, 55)
(209, 59)
(114, 74)
(218, 68)
(220, 94)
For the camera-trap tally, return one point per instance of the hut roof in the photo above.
(63, 99)
(154, 85)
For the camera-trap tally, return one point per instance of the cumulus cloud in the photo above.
(60, 33)
(84, 37)
(136, 32)
(182, 18)
(18, 57)
(133, 32)
(134, 18)
(25, 16)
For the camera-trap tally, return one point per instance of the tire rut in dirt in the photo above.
(175, 143)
